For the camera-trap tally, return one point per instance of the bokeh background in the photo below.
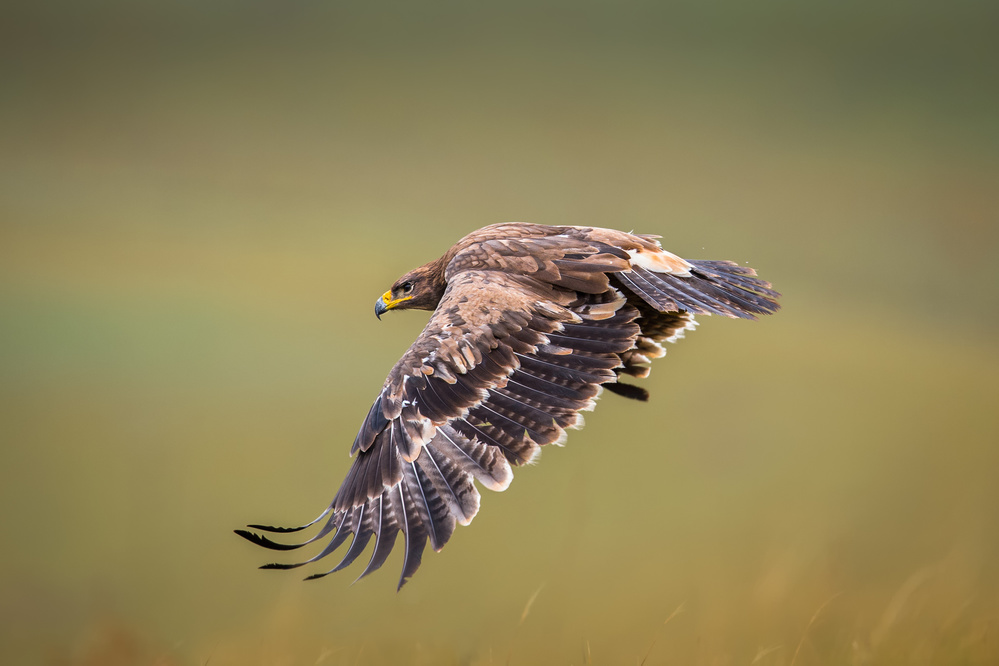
(200, 202)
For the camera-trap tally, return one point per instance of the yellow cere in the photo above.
(392, 302)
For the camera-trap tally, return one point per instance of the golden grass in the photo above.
(921, 633)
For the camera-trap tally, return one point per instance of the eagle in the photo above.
(530, 323)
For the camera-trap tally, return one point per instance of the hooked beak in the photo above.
(386, 303)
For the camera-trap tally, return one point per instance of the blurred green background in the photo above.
(200, 203)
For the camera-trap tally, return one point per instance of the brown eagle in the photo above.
(529, 324)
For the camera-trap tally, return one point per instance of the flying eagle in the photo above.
(529, 324)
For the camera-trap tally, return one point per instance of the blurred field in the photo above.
(200, 204)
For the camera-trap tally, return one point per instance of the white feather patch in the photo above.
(678, 335)
(660, 261)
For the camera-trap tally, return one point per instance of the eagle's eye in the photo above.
(406, 287)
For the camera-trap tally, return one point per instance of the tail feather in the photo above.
(684, 291)
(742, 277)
(711, 297)
(712, 287)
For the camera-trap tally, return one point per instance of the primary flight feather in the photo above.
(529, 324)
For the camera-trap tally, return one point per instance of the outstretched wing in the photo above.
(503, 367)
(526, 333)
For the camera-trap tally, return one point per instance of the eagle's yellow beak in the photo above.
(386, 303)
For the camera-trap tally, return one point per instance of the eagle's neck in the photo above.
(436, 281)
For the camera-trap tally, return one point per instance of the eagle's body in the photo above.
(530, 322)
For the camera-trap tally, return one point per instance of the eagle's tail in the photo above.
(712, 287)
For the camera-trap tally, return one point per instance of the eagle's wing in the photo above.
(525, 335)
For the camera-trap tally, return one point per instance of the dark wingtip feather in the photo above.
(277, 530)
(285, 530)
(628, 391)
(383, 546)
(356, 548)
(261, 540)
(276, 565)
(317, 576)
(413, 559)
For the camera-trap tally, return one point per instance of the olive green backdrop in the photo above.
(200, 203)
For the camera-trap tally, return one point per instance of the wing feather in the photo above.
(362, 530)
(484, 461)
(516, 448)
(413, 531)
(452, 483)
(387, 531)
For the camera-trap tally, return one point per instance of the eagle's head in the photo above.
(419, 289)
